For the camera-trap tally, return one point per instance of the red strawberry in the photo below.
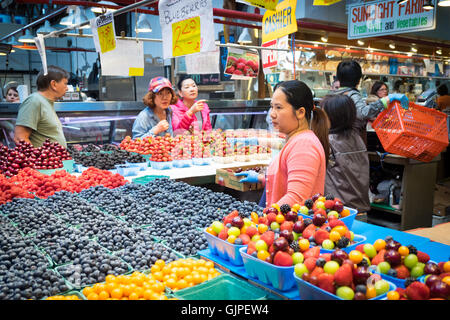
(230, 70)
(360, 247)
(317, 271)
(238, 72)
(418, 291)
(423, 257)
(312, 252)
(402, 272)
(271, 249)
(240, 66)
(223, 234)
(329, 204)
(263, 220)
(325, 281)
(326, 256)
(344, 275)
(245, 238)
(271, 217)
(287, 225)
(379, 257)
(309, 231)
(282, 259)
(335, 222)
(268, 237)
(310, 263)
(321, 235)
(251, 247)
(251, 231)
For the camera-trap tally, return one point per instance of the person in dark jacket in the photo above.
(347, 176)
(349, 74)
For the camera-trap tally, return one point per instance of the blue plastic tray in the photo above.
(348, 220)
(142, 165)
(69, 165)
(309, 291)
(280, 278)
(224, 249)
(161, 165)
(127, 170)
(201, 161)
(358, 240)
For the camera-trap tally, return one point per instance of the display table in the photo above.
(437, 252)
(419, 179)
(196, 175)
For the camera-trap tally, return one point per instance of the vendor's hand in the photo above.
(250, 176)
(196, 107)
(398, 97)
(163, 125)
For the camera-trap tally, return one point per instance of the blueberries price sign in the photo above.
(266, 4)
(104, 33)
(186, 37)
(376, 18)
(187, 26)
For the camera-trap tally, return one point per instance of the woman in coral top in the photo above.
(298, 171)
(188, 113)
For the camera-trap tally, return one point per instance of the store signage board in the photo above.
(40, 45)
(281, 22)
(325, 2)
(203, 62)
(242, 64)
(187, 26)
(266, 4)
(126, 60)
(104, 33)
(269, 58)
(379, 18)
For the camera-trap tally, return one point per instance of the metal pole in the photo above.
(115, 13)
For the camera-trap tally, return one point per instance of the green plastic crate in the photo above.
(148, 178)
(222, 287)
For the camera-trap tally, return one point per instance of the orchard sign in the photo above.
(378, 18)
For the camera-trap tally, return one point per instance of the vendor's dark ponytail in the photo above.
(299, 95)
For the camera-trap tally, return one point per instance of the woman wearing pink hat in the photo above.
(156, 118)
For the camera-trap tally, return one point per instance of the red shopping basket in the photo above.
(419, 133)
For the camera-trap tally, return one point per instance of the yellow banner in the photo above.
(281, 22)
(325, 2)
(266, 4)
(186, 37)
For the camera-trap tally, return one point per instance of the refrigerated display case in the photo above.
(112, 121)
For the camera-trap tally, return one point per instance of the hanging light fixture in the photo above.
(46, 28)
(392, 45)
(444, 3)
(101, 9)
(142, 24)
(439, 51)
(27, 37)
(68, 20)
(80, 17)
(324, 38)
(245, 37)
(428, 5)
(402, 1)
(360, 42)
(413, 48)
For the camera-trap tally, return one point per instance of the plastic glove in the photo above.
(250, 176)
(399, 97)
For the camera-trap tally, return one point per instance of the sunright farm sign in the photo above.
(378, 18)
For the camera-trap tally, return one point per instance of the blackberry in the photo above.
(285, 208)
(329, 197)
(307, 222)
(320, 262)
(295, 246)
(343, 242)
(309, 203)
(412, 249)
(409, 280)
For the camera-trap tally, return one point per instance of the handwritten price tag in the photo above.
(186, 37)
(106, 38)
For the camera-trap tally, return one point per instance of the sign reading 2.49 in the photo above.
(186, 37)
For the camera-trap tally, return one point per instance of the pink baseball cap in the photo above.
(158, 83)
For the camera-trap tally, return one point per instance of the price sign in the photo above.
(266, 4)
(104, 33)
(269, 57)
(186, 36)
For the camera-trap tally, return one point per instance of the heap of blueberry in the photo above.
(99, 225)
(24, 272)
(7, 230)
(92, 266)
(53, 232)
(116, 239)
(143, 254)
